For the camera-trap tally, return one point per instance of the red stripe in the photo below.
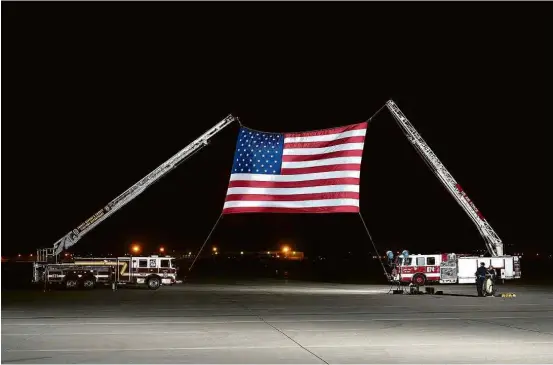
(293, 184)
(322, 132)
(356, 139)
(293, 198)
(322, 156)
(339, 209)
(314, 169)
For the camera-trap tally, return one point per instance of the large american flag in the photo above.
(308, 172)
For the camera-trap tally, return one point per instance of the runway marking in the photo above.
(402, 345)
(272, 321)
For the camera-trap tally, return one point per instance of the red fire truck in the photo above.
(451, 268)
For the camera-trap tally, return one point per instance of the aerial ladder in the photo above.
(492, 240)
(50, 255)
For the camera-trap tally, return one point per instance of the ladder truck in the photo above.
(449, 267)
(152, 271)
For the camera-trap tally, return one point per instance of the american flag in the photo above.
(308, 172)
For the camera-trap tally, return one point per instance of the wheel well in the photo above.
(71, 276)
(153, 276)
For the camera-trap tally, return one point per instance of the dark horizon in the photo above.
(98, 95)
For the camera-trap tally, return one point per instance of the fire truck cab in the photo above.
(419, 269)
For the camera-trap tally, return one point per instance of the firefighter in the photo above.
(481, 278)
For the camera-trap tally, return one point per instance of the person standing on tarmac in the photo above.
(480, 278)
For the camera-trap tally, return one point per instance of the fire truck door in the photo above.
(124, 269)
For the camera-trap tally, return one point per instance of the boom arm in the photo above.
(493, 242)
(73, 236)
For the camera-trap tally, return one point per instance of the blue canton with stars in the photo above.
(258, 152)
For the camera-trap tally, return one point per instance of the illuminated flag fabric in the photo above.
(308, 172)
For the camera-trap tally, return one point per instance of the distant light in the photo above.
(293, 252)
(285, 249)
(241, 252)
(136, 248)
(216, 253)
(18, 255)
(268, 252)
(31, 255)
(162, 249)
(190, 253)
(214, 249)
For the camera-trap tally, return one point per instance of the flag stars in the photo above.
(257, 143)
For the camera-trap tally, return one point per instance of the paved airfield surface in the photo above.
(277, 322)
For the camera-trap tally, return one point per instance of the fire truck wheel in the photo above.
(154, 283)
(89, 283)
(419, 279)
(71, 283)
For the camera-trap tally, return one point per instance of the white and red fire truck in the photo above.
(151, 271)
(450, 268)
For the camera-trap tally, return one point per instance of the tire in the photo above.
(71, 283)
(154, 283)
(419, 279)
(89, 283)
(488, 288)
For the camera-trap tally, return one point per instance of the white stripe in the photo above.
(299, 177)
(323, 162)
(326, 137)
(294, 191)
(321, 150)
(293, 204)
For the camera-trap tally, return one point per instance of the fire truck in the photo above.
(448, 267)
(151, 271)
(87, 273)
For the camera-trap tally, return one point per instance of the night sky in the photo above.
(96, 95)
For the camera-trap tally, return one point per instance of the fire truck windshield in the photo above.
(405, 261)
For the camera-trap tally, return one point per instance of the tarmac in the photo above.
(268, 322)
